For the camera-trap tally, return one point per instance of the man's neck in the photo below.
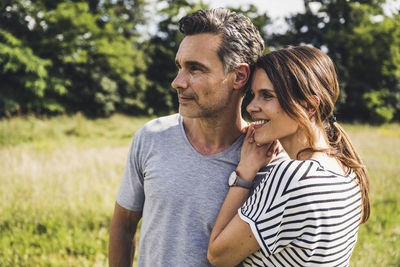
(210, 136)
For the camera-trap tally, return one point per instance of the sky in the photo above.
(276, 10)
(281, 8)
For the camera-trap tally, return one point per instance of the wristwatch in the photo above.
(236, 180)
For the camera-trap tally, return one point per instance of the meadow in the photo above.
(59, 177)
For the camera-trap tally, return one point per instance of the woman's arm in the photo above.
(231, 239)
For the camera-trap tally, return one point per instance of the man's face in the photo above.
(204, 90)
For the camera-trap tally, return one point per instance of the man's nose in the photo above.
(180, 81)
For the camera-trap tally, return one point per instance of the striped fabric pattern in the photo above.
(303, 215)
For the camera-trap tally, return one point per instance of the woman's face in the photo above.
(271, 121)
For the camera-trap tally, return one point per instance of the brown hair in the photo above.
(298, 74)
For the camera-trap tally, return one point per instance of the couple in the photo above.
(191, 176)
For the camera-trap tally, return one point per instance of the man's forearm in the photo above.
(122, 249)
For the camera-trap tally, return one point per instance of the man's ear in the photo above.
(242, 75)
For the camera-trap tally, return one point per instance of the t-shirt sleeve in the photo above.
(265, 210)
(131, 192)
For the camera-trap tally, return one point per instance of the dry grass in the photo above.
(55, 196)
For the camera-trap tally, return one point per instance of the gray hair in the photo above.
(241, 41)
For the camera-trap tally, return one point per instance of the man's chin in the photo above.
(191, 113)
(187, 112)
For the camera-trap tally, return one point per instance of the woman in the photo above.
(307, 210)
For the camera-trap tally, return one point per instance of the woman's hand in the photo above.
(254, 156)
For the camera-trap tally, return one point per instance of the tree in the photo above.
(101, 61)
(24, 75)
(89, 52)
(21, 69)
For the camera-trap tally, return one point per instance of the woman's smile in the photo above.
(260, 123)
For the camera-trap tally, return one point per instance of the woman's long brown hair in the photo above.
(298, 74)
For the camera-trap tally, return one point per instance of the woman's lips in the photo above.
(259, 123)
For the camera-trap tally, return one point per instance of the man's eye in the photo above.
(194, 68)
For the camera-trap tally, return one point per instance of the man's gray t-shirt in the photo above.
(179, 191)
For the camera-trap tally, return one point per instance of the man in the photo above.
(178, 166)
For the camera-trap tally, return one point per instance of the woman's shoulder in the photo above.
(293, 173)
(290, 167)
(289, 175)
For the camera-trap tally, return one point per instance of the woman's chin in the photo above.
(261, 140)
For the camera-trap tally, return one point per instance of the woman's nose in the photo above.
(253, 106)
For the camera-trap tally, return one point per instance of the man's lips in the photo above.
(185, 99)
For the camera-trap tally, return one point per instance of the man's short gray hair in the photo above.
(241, 41)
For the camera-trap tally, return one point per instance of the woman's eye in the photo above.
(267, 95)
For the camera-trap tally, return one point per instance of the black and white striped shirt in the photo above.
(303, 215)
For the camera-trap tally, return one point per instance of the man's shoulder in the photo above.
(160, 125)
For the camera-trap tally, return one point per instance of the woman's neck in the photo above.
(298, 142)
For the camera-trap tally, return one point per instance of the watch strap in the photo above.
(242, 182)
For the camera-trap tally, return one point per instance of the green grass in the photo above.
(379, 238)
(59, 178)
(69, 131)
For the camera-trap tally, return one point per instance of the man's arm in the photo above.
(122, 242)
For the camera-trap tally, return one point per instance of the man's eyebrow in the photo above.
(195, 63)
(192, 63)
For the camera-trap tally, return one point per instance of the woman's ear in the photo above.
(242, 75)
(310, 109)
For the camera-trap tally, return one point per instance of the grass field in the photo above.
(59, 178)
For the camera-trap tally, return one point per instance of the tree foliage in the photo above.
(23, 77)
(89, 57)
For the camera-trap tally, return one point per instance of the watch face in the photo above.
(232, 178)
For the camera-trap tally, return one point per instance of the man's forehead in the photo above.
(198, 46)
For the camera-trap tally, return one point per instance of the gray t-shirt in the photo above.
(179, 191)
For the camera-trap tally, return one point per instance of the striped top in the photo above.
(303, 215)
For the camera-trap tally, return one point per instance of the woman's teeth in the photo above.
(260, 122)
